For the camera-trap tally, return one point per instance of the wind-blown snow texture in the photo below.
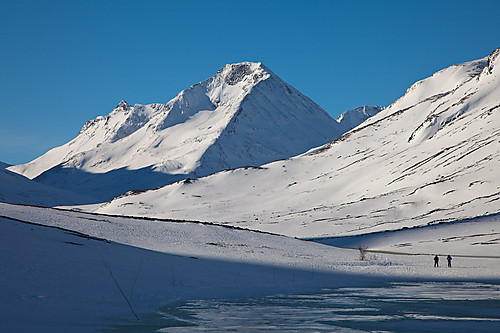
(432, 156)
(244, 115)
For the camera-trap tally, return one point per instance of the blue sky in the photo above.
(65, 62)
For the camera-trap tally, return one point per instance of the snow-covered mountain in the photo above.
(432, 156)
(244, 115)
(352, 118)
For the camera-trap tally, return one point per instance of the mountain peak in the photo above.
(250, 72)
(491, 61)
(354, 117)
(123, 105)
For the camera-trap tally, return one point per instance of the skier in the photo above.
(436, 261)
(449, 260)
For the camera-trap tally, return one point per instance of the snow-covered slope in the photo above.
(15, 188)
(244, 115)
(432, 156)
(471, 237)
(66, 271)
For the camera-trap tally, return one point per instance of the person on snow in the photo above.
(436, 261)
(449, 260)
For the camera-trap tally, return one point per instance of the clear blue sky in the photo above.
(65, 62)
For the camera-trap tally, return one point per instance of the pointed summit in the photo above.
(248, 72)
(123, 105)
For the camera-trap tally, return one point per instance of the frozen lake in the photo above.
(397, 306)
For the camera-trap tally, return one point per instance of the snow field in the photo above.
(72, 271)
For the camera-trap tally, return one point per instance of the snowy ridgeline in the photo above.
(430, 157)
(245, 115)
(68, 271)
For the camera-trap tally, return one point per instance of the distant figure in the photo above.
(449, 260)
(436, 261)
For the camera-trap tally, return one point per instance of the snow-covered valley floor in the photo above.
(68, 271)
